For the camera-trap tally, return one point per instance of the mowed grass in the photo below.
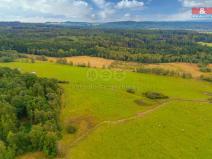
(178, 130)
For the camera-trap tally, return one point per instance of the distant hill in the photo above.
(190, 25)
(71, 24)
(159, 25)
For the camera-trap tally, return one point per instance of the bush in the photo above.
(163, 72)
(140, 102)
(131, 90)
(63, 82)
(155, 95)
(62, 61)
(208, 79)
(205, 69)
(10, 56)
(32, 60)
(186, 75)
(71, 129)
(41, 58)
(81, 65)
(6, 59)
(71, 63)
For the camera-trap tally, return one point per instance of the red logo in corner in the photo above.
(201, 11)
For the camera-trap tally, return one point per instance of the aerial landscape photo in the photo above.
(105, 79)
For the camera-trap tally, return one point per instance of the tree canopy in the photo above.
(147, 46)
(29, 110)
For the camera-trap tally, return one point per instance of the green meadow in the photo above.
(207, 44)
(181, 130)
(111, 124)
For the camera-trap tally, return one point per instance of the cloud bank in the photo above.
(92, 10)
(61, 10)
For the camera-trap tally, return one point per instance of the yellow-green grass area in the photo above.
(94, 96)
(181, 130)
(207, 44)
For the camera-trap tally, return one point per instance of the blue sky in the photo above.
(98, 10)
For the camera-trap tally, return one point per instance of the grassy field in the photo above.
(178, 131)
(112, 125)
(207, 44)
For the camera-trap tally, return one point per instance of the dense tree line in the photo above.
(10, 56)
(148, 46)
(29, 110)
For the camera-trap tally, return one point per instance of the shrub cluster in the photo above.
(62, 61)
(42, 58)
(155, 95)
(206, 78)
(131, 90)
(71, 129)
(163, 72)
(9, 56)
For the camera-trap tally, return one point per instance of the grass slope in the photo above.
(181, 129)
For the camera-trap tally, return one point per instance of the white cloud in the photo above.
(110, 11)
(104, 11)
(196, 3)
(73, 9)
(99, 3)
(106, 14)
(63, 10)
(127, 4)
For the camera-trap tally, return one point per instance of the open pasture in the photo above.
(111, 124)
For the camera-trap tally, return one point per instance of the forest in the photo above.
(147, 46)
(29, 113)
